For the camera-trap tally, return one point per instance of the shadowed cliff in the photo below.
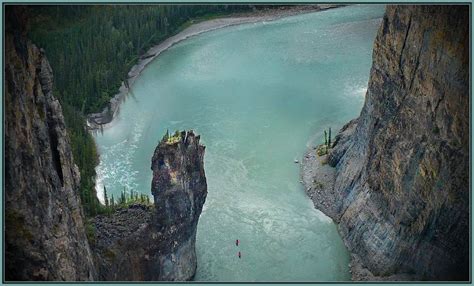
(45, 236)
(400, 183)
(44, 232)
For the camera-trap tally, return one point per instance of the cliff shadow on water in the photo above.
(399, 174)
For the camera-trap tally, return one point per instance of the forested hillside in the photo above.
(91, 49)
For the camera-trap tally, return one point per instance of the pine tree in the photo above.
(112, 202)
(122, 197)
(102, 44)
(106, 199)
(329, 141)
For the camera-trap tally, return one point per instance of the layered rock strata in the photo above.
(397, 179)
(44, 231)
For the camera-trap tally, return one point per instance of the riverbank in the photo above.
(100, 120)
(319, 178)
(254, 191)
(401, 186)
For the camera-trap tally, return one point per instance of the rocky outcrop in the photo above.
(157, 243)
(179, 189)
(44, 232)
(400, 185)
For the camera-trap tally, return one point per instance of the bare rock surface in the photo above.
(157, 243)
(45, 229)
(401, 187)
(44, 233)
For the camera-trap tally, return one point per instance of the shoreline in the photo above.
(98, 121)
(318, 179)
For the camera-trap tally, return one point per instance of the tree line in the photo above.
(91, 48)
(124, 200)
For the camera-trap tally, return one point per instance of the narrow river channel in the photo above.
(259, 95)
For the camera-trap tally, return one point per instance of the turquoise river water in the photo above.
(257, 94)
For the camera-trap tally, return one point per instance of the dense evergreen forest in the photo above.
(91, 49)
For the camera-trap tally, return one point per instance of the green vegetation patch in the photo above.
(91, 48)
(125, 200)
(322, 150)
(90, 232)
(171, 139)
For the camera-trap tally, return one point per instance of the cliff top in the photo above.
(185, 137)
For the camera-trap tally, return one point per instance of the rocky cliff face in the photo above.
(400, 182)
(45, 237)
(179, 188)
(157, 243)
(44, 232)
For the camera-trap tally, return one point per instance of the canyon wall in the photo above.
(44, 230)
(45, 233)
(399, 180)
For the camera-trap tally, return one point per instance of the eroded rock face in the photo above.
(157, 243)
(402, 169)
(44, 232)
(179, 188)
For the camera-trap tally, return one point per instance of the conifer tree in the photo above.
(106, 199)
(112, 202)
(329, 141)
(102, 44)
(122, 197)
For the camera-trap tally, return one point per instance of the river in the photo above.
(259, 95)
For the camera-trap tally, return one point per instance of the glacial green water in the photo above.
(257, 94)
